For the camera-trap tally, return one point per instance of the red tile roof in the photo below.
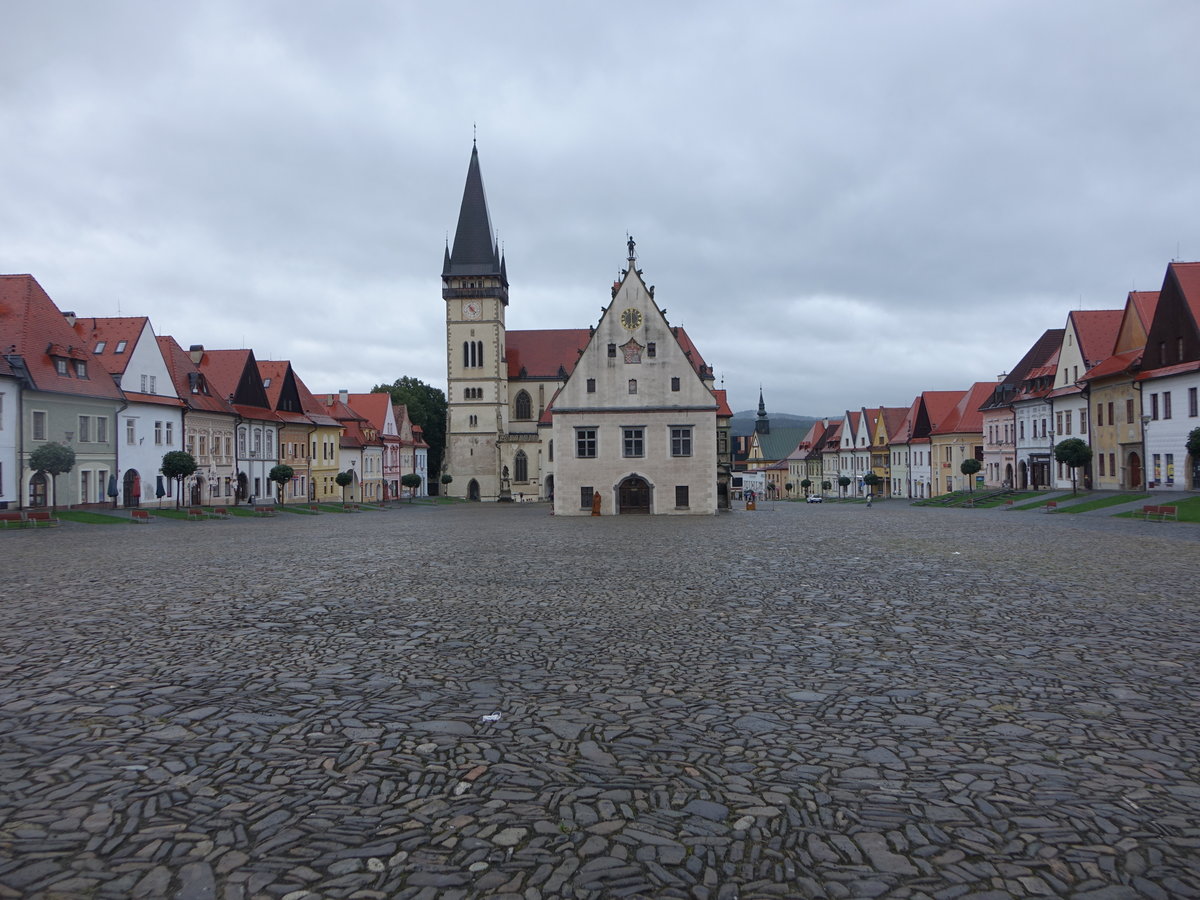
(1118, 364)
(184, 373)
(31, 325)
(1188, 275)
(722, 403)
(112, 331)
(373, 408)
(1144, 304)
(1097, 331)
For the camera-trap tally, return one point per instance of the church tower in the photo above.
(475, 290)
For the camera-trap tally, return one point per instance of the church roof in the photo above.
(474, 251)
(541, 353)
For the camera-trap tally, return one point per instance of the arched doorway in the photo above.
(472, 489)
(1134, 468)
(37, 489)
(1008, 475)
(132, 489)
(633, 496)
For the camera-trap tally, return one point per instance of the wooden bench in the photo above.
(220, 512)
(263, 510)
(314, 508)
(196, 514)
(39, 517)
(1051, 505)
(140, 516)
(1162, 513)
(12, 520)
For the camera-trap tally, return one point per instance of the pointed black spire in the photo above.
(763, 425)
(475, 251)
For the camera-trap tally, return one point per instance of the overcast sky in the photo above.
(846, 203)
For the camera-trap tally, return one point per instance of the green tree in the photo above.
(426, 407)
(1193, 442)
(970, 466)
(412, 481)
(52, 459)
(343, 479)
(178, 464)
(281, 475)
(806, 484)
(1073, 453)
(872, 480)
(843, 483)
(825, 485)
(788, 487)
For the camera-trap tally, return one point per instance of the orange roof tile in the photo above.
(113, 332)
(184, 375)
(1097, 330)
(31, 325)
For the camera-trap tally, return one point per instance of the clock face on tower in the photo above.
(471, 309)
(631, 318)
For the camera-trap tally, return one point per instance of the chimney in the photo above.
(344, 395)
(196, 352)
(70, 317)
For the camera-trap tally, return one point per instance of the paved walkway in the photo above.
(805, 701)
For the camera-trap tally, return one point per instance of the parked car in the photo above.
(814, 498)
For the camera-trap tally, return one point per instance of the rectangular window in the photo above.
(60, 366)
(170, 434)
(80, 368)
(1101, 465)
(1157, 467)
(153, 384)
(101, 484)
(591, 385)
(99, 347)
(585, 497)
(102, 429)
(1192, 410)
(203, 446)
(39, 425)
(1166, 404)
(681, 496)
(1111, 420)
(143, 384)
(158, 432)
(634, 442)
(1083, 421)
(1067, 416)
(1058, 423)
(1112, 464)
(681, 441)
(1129, 411)
(1154, 406)
(85, 431)
(633, 385)
(1099, 415)
(120, 348)
(130, 432)
(651, 350)
(585, 443)
(85, 486)
(1170, 458)
(612, 351)
(675, 383)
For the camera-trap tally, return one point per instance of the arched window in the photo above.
(523, 405)
(521, 466)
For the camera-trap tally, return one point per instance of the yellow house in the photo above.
(323, 443)
(958, 438)
(1118, 457)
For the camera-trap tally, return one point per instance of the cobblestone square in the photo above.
(486, 701)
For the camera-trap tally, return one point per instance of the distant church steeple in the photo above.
(762, 424)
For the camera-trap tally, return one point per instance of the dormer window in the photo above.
(80, 368)
(100, 345)
(120, 348)
(266, 382)
(60, 366)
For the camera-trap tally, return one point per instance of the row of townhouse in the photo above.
(1123, 380)
(122, 397)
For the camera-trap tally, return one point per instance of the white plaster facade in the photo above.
(1171, 410)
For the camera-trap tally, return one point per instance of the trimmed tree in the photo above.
(281, 475)
(843, 483)
(412, 481)
(969, 467)
(52, 459)
(178, 465)
(872, 480)
(825, 485)
(806, 484)
(343, 479)
(1073, 453)
(1193, 442)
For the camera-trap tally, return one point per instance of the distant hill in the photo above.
(743, 422)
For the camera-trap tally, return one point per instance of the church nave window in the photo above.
(521, 466)
(523, 406)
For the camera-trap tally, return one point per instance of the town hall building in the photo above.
(620, 417)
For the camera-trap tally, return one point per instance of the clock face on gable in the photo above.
(631, 318)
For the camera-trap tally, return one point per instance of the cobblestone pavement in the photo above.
(804, 701)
